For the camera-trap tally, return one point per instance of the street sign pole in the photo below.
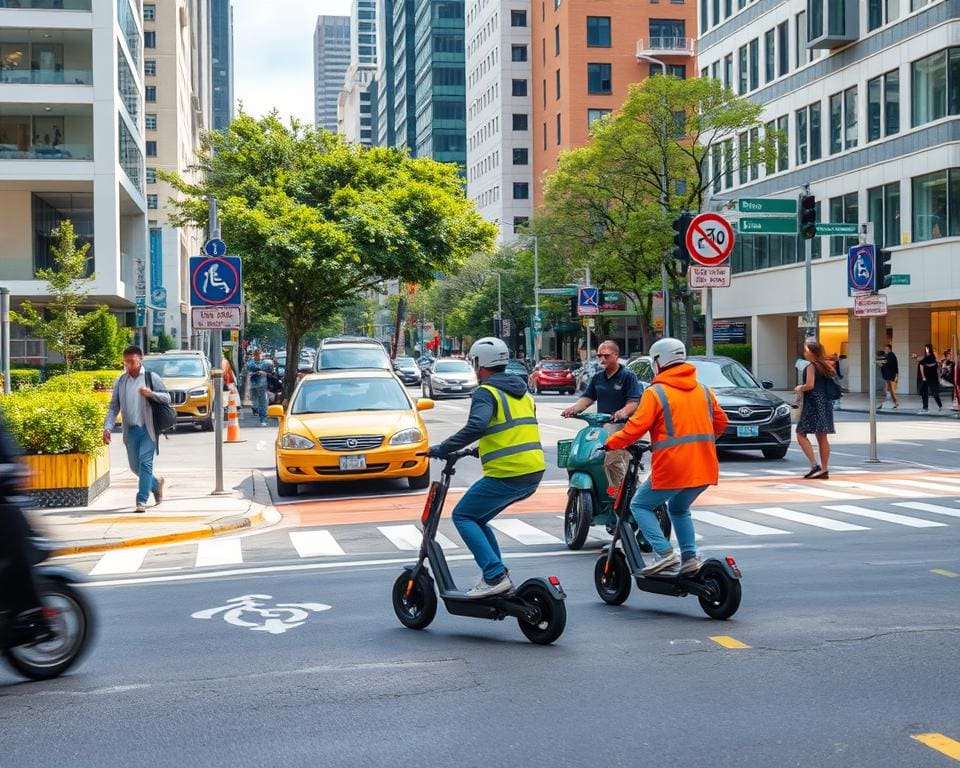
(708, 309)
(872, 377)
(536, 298)
(5, 337)
(808, 272)
(216, 359)
(665, 289)
(589, 339)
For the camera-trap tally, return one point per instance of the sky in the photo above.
(273, 53)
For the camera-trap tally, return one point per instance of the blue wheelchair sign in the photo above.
(215, 282)
(861, 268)
(215, 247)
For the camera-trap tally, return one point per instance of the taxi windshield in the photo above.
(345, 395)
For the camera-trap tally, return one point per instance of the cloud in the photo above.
(273, 53)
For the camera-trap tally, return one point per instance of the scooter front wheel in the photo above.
(414, 603)
(553, 614)
(726, 592)
(577, 518)
(613, 583)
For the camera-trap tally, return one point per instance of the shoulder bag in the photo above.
(164, 415)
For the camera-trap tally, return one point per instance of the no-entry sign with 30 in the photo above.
(709, 239)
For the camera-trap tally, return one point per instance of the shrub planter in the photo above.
(67, 479)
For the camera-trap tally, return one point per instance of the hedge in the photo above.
(742, 353)
(22, 377)
(47, 422)
(82, 381)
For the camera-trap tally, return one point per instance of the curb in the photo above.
(899, 412)
(258, 514)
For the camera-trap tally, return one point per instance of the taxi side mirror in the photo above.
(275, 411)
(424, 404)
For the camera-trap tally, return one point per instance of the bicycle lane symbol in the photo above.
(249, 612)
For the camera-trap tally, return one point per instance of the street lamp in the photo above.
(536, 294)
(498, 324)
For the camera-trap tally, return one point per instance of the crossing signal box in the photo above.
(808, 216)
(680, 226)
(882, 269)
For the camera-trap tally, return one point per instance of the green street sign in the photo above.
(558, 292)
(899, 279)
(767, 205)
(825, 229)
(771, 226)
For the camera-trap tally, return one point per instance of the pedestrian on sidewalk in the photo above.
(928, 378)
(131, 400)
(817, 413)
(258, 368)
(948, 375)
(889, 371)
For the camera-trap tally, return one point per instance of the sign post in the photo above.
(709, 242)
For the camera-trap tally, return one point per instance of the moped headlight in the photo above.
(782, 410)
(294, 442)
(406, 437)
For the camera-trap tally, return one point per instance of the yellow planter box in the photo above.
(67, 479)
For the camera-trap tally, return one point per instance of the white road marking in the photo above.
(922, 507)
(907, 442)
(120, 561)
(524, 532)
(877, 488)
(814, 490)
(733, 524)
(815, 520)
(931, 486)
(887, 517)
(249, 612)
(409, 537)
(946, 450)
(781, 472)
(218, 552)
(315, 543)
(724, 473)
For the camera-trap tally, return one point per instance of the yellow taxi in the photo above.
(186, 374)
(350, 425)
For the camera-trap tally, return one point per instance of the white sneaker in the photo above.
(690, 566)
(667, 562)
(486, 589)
(923, 410)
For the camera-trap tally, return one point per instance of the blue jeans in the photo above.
(140, 453)
(486, 499)
(678, 501)
(259, 397)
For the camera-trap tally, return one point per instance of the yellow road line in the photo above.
(943, 744)
(729, 642)
(942, 572)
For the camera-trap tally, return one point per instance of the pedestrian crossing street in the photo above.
(726, 526)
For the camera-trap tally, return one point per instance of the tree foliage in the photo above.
(103, 340)
(319, 221)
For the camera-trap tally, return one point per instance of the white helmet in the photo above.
(667, 352)
(488, 352)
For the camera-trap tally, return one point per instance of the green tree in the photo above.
(102, 340)
(61, 325)
(319, 221)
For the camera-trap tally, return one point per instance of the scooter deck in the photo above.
(496, 607)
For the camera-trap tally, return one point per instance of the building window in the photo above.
(704, 16)
(149, 12)
(728, 70)
(716, 171)
(521, 190)
(518, 52)
(151, 147)
(754, 53)
(151, 176)
(802, 135)
(521, 156)
(150, 93)
(783, 48)
(556, 40)
(742, 70)
(150, 121)
(769, 159)
(595, 114)
(558, 128)
(518, 18)
(598, 31)
(743, 157)
(678, 71)
(519, 87)
(150, 67)
(880, 12)
(843, 120)
(769, 55)
(816, 151)
(883, 208)
(808, 133)
(843, 210)
(935, 81)
(599, 78)
(48, 211)
(558, 84)
(883, 105)
(520, 122)
(755, 165)
(129, 154)
(149, 39)
(544, 83)
(936, 205)
(783, 145)
(544, 136)
(728, 163)
(152, 202)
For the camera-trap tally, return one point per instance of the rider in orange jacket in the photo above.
(684, 420)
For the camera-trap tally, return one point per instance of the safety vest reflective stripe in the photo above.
(510, 451)
(510, 445)
(509, 420)
(671, 439)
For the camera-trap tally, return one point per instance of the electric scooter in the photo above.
(588, 502)
(716, 584)
(537, 604)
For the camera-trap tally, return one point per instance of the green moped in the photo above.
(588, 502)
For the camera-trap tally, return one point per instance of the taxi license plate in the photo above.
(752, 431)
(456, 388)
(353, 462)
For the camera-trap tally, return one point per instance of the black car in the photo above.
(758, 419)
(516, 367)
(407, 370)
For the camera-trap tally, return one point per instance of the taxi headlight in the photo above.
(782, 410)
(290, 441)
(202, 392)
(406, 437)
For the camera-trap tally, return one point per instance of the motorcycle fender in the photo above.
(554, 589)
(59, 573)
(733, 571)
(581, 481)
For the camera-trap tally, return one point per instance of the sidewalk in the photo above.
(909, 405)
(189, 510)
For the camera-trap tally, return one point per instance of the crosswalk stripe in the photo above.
(524, 532)
(887, 517)
(822, 492)
(219, 552)
(119, 561)
(724, 473)
(315, 543)
(409, 537)
(944, 489)
(815, 520)
(878, 489)
(781, 472)
(923, 507)
(733, 524)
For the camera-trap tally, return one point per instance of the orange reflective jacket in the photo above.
(684, 420)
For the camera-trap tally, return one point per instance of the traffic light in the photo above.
(680, 226)
(808, 216)
(883, 268)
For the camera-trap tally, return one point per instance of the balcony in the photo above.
(832, 23)
(666, 46)
(36, 132)
(45, 57)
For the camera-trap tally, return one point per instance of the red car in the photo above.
(552, 376)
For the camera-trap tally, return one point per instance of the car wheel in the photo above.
(775, 453)
(420, 482)
(286, 489)
(207, 426)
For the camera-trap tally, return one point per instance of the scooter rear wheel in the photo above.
(553, 614)
(577, 518)
(612, 585)
(415, 606)
(726, 589)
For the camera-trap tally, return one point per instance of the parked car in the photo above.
(449, 377)
(407, 371)
(552, 376)
(345, 352)
(517, 367)
(758, 419)
(186, 375)
(350, 425)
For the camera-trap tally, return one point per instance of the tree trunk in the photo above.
(688, 313)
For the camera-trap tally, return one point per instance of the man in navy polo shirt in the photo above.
(616, 391)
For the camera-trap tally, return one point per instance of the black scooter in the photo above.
(537, 604)
(716, 584)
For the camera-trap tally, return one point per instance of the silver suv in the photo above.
(344, 352)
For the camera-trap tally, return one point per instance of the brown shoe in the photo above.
(158, 494)
(140, 508)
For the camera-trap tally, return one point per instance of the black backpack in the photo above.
(164, 415)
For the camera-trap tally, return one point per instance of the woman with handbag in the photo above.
(928, 378)
(819, 389)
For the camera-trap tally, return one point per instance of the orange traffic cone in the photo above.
(233, 419)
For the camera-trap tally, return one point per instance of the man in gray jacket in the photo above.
(130, 398)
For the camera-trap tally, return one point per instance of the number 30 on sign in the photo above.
(709, 239)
